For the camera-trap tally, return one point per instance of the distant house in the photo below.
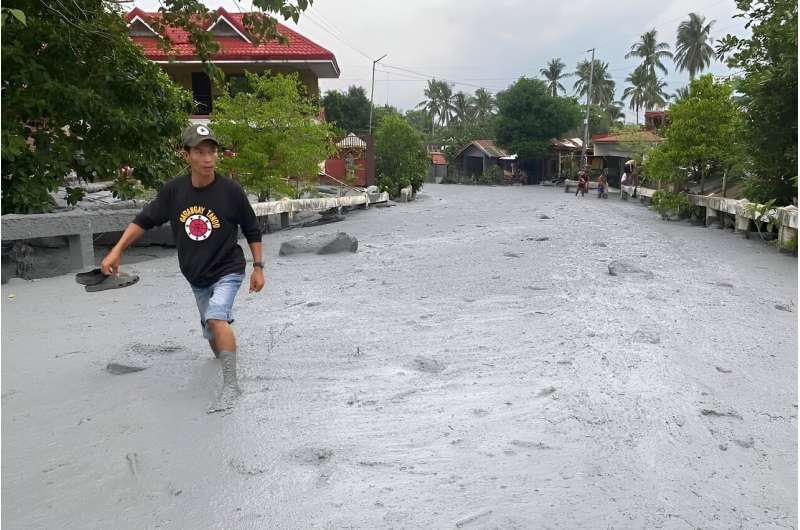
(237, 54)
(438, 169)
(612, 154)
(478, 156)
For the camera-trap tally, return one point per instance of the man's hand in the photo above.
(257, 280)
(110, 263)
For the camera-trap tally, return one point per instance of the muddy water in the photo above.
(459, 371)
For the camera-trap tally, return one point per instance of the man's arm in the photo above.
(110, 264)
(257, 276)
(154, 214)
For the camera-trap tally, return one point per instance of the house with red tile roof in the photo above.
(238, 53)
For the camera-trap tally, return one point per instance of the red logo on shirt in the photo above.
(198, 227)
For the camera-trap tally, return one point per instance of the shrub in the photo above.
(668, 203)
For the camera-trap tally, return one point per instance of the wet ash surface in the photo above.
(473, 365)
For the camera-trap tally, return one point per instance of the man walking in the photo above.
(205, 211)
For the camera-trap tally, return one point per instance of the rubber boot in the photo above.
(230, 384)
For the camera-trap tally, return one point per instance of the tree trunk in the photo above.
(724, 182)
(702, 182)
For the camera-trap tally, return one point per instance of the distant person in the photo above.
(601, 186)
(623, 182)
(205, 211)
(583, 185)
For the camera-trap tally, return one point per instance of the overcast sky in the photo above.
(482, 43)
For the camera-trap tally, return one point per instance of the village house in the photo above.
(478, 156)
(612, 151)
(237, 54)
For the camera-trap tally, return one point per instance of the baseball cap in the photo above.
(194, 134)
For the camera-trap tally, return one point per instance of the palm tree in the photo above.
(445, 103)
(693, 51)
(484, 103)
(635, 92)
(680, 94)
(602, 84)
(651, 51)
(554, 73)
(463, 109)
(438, 102)
(654, 95)
(616, 116)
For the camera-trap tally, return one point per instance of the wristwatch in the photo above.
(258, 264)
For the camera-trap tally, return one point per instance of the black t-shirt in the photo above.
(205, 224)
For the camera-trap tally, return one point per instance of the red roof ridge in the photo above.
(298, 47)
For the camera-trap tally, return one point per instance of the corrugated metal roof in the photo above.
(487, 146)
(490, 148)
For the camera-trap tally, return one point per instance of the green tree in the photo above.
(680, 94)
(529, 117)
(79, 96)
(701, 138)
(349, 110)
(655, 97)
(400, 156)
(693, 51)
(463, 109)
(768, 60)
(459, 133)
(272, 130)
(418, 119)
(616, 116)
(635, 93)
(602, 85)
(484, 103)
(651, 52)
(438, 102)
(554, 73)
(380, 113)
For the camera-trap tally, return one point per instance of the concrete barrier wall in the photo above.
(786, 218)
(81, 225)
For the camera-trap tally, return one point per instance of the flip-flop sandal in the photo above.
(92, 277)
(115, 281)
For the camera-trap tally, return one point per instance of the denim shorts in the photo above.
(215, 302)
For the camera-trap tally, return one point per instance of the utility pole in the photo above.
(372, 93)
(586, 119)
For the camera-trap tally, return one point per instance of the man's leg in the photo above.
(223, 340)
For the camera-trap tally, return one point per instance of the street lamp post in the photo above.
(586, 119)
(372, 93)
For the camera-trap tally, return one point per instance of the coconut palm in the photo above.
(616, 116)
(680, 94)
(446, 103)
(554, 73)
(484, 103)
(602, 84)
(463, 109)
(654, 95)
(693, 51)
(651, 52)
(635, 91)
(438, 102)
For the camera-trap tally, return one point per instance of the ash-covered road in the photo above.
(473, 365)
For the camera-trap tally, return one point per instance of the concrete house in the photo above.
(237, 53)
